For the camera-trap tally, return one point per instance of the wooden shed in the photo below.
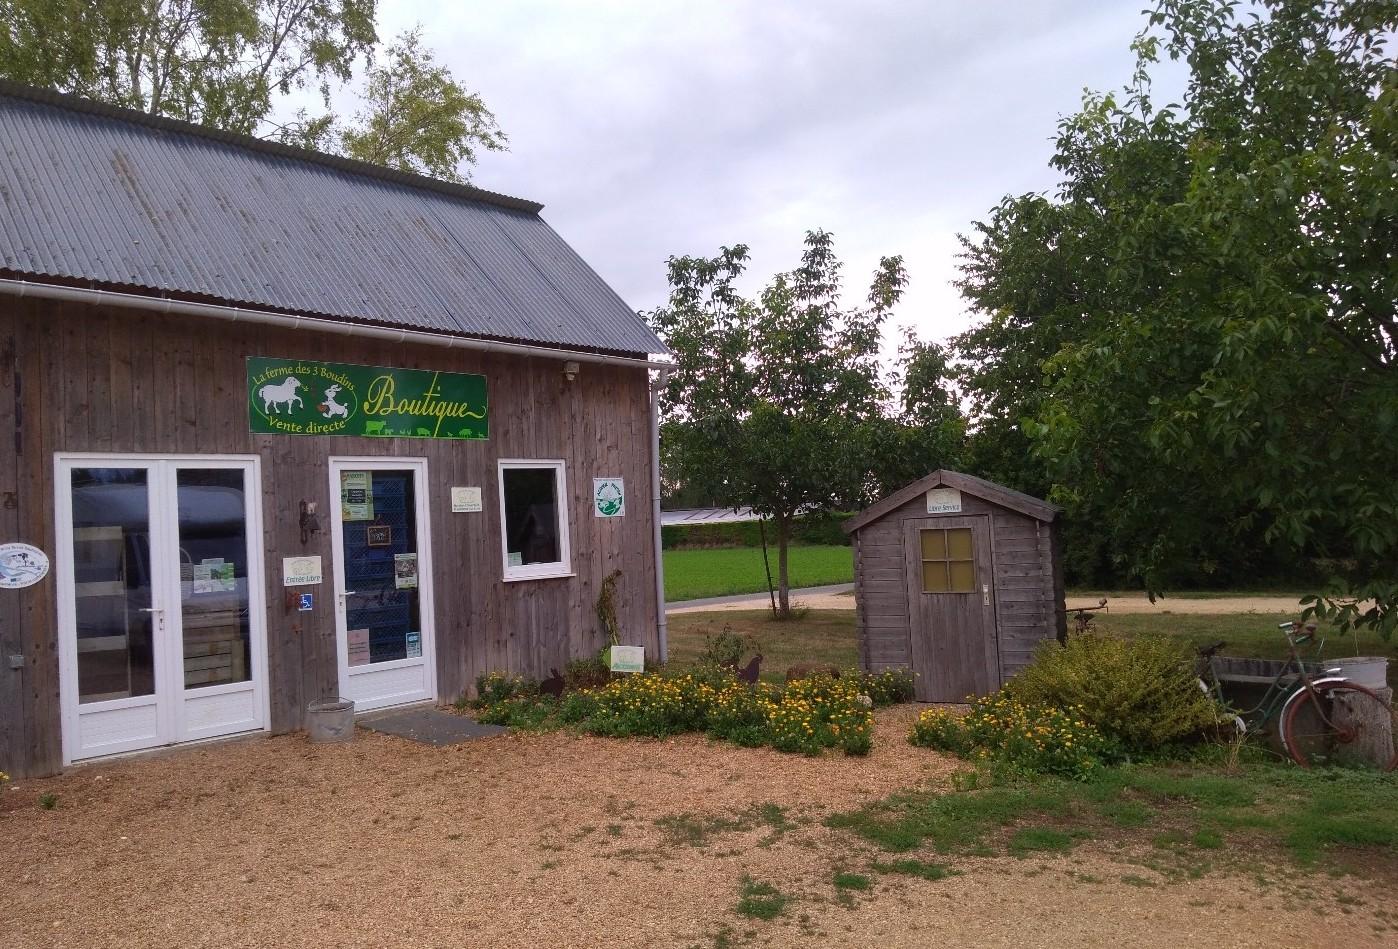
(278, 426)
(958, 579)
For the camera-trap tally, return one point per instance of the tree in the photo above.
(1211, 299)
(925, 430)
(228, 64)
(775, 402)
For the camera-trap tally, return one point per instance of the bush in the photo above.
(738, 712)
(493, 688)
(725, 649)
(1029, 738)
(819, 713)
(806, 717)
(1141, 692)
(890, 687)
(589, 672)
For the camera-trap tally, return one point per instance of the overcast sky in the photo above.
(656, 128)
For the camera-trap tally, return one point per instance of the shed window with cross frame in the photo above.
(948, 561)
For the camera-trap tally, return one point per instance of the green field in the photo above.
(828, 636)
(726, 571)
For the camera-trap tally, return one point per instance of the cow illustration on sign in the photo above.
(330, 408)
(281, 394)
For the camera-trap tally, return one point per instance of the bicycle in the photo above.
(1321, 720)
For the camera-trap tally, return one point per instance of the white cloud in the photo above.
(654, 128)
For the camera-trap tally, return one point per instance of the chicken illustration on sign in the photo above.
(301, 397)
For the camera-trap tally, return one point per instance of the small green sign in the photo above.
(300, 397)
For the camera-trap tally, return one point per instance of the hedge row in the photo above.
(822, 529)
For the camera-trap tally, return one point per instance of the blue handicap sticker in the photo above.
(307, 599)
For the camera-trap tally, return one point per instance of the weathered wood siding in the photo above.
(83, 378)
(1027, 588)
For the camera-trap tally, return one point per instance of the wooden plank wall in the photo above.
(1028, 591)
(108, 380)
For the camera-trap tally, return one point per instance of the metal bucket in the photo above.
(329, 720)
(1370, 671)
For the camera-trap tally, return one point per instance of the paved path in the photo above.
(839, 597)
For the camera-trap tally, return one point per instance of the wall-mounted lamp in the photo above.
(570, 370)
(310, 523)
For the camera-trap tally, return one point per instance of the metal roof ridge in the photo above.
(74, 103)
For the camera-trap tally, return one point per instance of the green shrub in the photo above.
(890, 687)
(725, 649)
(819, 713)
(1029, 738)
(495, 687)
(588, 672)
(527, 712)
(1141, 692)
(737, 712)
(577, 707)
(649, 705)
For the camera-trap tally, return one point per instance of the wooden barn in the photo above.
(278, 426)
(957, 579)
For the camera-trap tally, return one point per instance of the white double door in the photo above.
(162, 636)
(383, 581)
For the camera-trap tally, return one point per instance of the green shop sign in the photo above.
(298, 397)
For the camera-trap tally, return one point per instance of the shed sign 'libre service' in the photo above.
(301, 397)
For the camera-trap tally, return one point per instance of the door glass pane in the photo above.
(934, 545)
(112, 583)
(531, 516)
(379, 530)
(934, 577)
(214, 576)
(959, 543)
(963, 576)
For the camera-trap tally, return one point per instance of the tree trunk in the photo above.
(783, 584)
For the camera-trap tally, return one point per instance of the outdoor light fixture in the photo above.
(310, 523)
(570, 370)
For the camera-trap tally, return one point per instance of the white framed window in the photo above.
(534, 519)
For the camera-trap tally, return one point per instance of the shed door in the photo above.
(951, 609)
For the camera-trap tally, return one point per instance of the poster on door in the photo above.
(358, 647)
(414, 646)
(356, 496)
(405, 571)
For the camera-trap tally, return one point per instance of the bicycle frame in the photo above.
(1293, 681)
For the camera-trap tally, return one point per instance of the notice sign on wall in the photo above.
(300, 571)
(303, 397)
(944, 501)
(465, 500)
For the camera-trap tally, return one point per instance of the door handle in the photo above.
(985, 594)
(149, 609)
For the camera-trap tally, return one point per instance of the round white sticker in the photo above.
(21, 566)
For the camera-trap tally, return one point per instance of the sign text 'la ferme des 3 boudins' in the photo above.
(301, 397)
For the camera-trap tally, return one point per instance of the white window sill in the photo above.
(554, 574)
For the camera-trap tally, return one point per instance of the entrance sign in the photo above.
(300, 571)
(303, 397)
(943, 501)
(608, 497)
(21, 566)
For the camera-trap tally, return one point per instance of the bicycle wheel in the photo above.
(1340, 723)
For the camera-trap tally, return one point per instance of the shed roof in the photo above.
(969, 484)
(109, 197)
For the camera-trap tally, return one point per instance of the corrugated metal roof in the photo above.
(688, 517)
(97, 194)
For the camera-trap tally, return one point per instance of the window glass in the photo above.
(112, 583)
(948, 561)
(214, 576)
(532, 534)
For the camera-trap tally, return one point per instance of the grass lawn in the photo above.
(728, 571)
(828, 636)
(818, 636)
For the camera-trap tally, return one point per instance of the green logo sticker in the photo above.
(302, 397)
(609, 497)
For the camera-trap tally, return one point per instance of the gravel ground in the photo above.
(541, 840)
